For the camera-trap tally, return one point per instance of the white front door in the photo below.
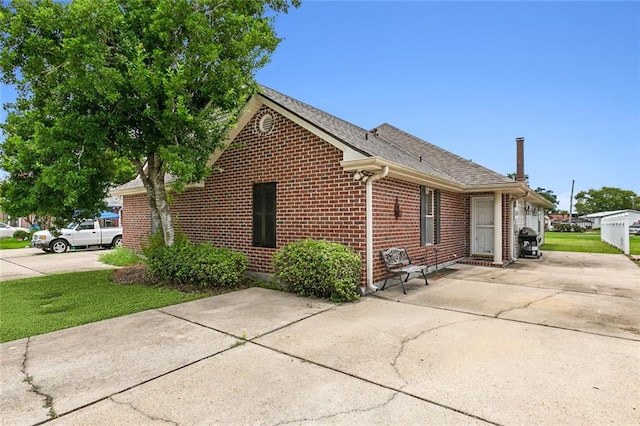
(482, 227)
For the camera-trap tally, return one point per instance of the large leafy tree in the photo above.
(549, 195)
(606, 199)
(154, 83)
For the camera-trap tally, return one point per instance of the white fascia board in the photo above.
(519, 189)
(513, 188)
(142, 190)
(375, 164)
(348, 153)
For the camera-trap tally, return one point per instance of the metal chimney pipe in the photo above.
(520, 159)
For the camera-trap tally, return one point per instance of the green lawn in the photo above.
(587, 242)
(39, 305)
(12, 243)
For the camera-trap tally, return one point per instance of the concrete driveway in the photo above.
(32, 262)
(554, 341)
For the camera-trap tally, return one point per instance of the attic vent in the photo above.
(264, 123)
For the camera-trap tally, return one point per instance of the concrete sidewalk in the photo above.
(32, 262)
(264, 357)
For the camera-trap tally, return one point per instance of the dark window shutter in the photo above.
(264, 214)
(423, 210)
(436, 217)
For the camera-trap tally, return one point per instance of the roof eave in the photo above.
(138, 190)
(513, 188)
(397, 171)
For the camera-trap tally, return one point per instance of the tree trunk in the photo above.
(153, 180)
(163, 211)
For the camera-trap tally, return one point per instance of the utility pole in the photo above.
(571, 203)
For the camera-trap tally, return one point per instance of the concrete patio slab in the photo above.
(503, 371)
(255, 385)
(475, 297)
(504, 346)
(31, 262)
(599, 314)
(81, 365)
(608, 274)
(249, 314)
(538, 293)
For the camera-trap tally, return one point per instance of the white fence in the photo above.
(615, 231)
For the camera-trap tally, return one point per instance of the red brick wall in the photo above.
(506, 229)
(136, 221)
(315, 197)
(405, 231)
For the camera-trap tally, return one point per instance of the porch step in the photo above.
(479, 261)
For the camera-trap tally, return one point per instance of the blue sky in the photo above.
(470, 77)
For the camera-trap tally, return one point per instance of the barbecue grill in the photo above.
(529, 239)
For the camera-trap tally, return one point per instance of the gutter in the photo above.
(397, 171)
(368, 180)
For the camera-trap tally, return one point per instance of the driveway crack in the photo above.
(48, 399)
(404, 342)
(339, 413)
(137, 410)
(549, 296)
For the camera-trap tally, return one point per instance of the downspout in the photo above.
(369, 224)
(497, 228)
(513, 221)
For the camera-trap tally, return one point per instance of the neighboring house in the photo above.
(596, 218)
(21, 222)
(297, 172)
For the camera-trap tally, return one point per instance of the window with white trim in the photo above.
(429, 216)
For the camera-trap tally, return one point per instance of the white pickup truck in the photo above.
(87, 233)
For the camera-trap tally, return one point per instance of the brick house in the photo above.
(290, 171)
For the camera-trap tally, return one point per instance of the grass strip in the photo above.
(33, 306)
(12, 243)
(587, 242)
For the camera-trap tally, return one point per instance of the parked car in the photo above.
(101, 232)
(6, 231)
(634, 229)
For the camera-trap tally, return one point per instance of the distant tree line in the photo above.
(593, 200)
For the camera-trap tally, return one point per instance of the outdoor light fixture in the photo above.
(396, 209)
(360, 177)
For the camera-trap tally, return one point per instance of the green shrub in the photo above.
(201, 265)
(156, 241)
(567, 227)
(319, 268)
(120, 256)
(21, 235)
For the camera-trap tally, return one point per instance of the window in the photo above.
(87, 224)
(264, 214)
(429, 216)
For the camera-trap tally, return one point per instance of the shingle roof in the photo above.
(356, 137)
(392, 144)
(460, 169)
(386, 142)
